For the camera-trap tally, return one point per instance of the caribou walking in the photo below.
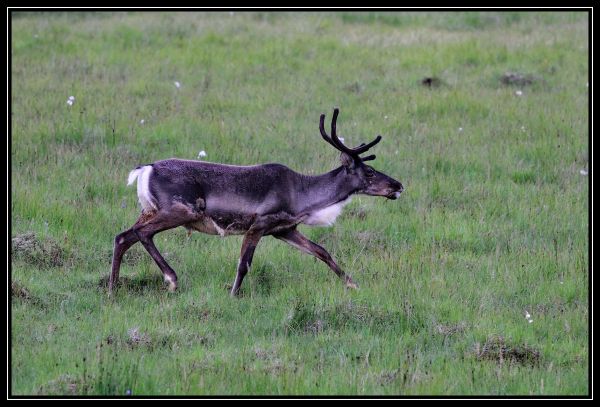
(254, 201)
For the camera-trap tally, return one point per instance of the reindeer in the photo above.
(254, 201)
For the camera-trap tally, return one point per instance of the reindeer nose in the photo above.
(400, 187)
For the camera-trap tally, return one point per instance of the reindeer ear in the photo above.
(347, 161)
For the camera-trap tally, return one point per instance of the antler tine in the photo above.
(363, 148)
(323, 133)
(336, 111)
(369, 157)
(337, 143)
(334, 136)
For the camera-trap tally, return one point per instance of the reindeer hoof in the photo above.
(351, 284)
(172, 285)
(111, 289)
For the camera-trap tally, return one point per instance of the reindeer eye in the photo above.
(369, 172)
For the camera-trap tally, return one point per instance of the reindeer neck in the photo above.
(324, 190)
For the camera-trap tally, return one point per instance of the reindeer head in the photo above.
(365, 178)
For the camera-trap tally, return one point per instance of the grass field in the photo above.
(474, 282)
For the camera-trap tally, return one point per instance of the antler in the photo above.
(337, 143)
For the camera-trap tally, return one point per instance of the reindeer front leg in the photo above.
(300, 242)
(251, 239)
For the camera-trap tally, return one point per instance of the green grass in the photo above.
(493, 222)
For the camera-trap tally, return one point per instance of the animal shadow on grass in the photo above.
(139, 285)
(262, 281)
(312, 318)
(265, 278)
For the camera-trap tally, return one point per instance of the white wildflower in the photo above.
(341, 139)
(177, 84)
(142, 121)
(527, 316)
(460, 129)
(202, 154)
(519, 93)
(583, 172)
(72, 98)
(70, 102)
(530, 320)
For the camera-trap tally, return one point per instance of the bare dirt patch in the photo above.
(65, 384)
(42, 253)
(137, 338)
(497, 349)
(21, 293)
(451, 329)
(18, 291)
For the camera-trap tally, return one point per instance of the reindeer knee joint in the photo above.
(139, 234)
(119, 239)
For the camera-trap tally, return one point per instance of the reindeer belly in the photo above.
(221, 225)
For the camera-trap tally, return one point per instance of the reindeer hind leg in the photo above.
(177, 215)
(123, 241)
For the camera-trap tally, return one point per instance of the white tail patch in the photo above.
(133, 175)
(326, 216)
(142, 175)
